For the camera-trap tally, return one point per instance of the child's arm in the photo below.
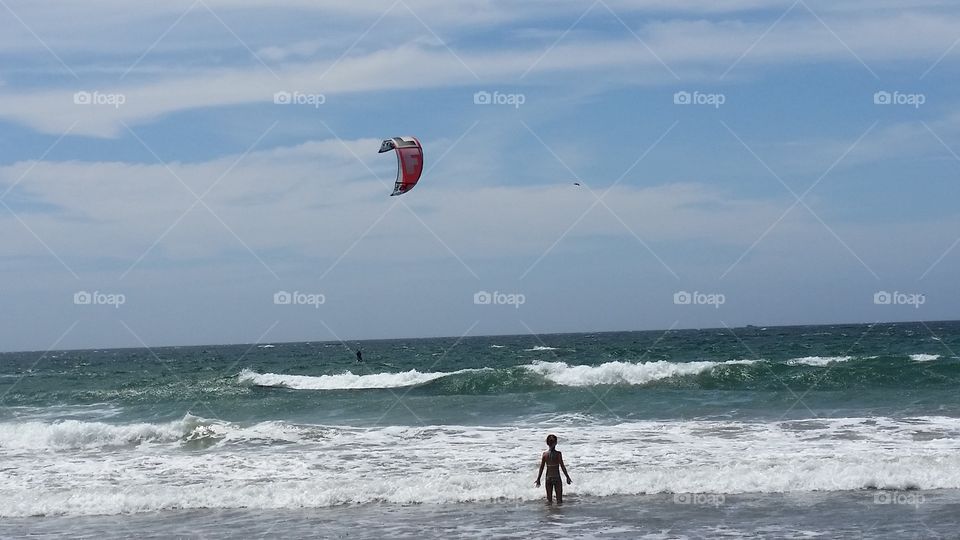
(543, 461)
(564, 469)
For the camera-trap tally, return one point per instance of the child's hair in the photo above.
(552, 436)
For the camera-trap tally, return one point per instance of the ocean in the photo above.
(841, 431)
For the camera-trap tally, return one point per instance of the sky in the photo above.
(206, 171)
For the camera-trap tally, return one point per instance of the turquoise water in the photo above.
(840, 370)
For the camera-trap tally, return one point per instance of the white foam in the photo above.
(78, 434)
(268, 346)
(818, 361)
(924, 357)
(557, 372)
(542, 348)
(622, 372)
(73, 435)
(343, 381)
(321, 466)
(497, 346)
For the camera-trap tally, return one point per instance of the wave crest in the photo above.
(81, 435)
(343, 381)
(730, 374)
(622, 372)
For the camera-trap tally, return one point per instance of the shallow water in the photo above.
(860, 514)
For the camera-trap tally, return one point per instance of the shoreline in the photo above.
(841, 514)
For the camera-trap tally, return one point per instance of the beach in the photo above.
(802, 515)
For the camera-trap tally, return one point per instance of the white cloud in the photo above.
(897, 140)
(312, 202)
(315, 200)
(694, 49)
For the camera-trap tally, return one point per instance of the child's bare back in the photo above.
(552, 460)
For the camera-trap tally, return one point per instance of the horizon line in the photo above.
(528, 334)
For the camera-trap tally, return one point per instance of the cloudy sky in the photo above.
(166, 170)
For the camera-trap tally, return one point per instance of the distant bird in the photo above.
(576, 183)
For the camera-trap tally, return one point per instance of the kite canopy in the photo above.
(409, 162)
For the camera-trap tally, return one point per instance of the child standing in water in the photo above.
(552, 459)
